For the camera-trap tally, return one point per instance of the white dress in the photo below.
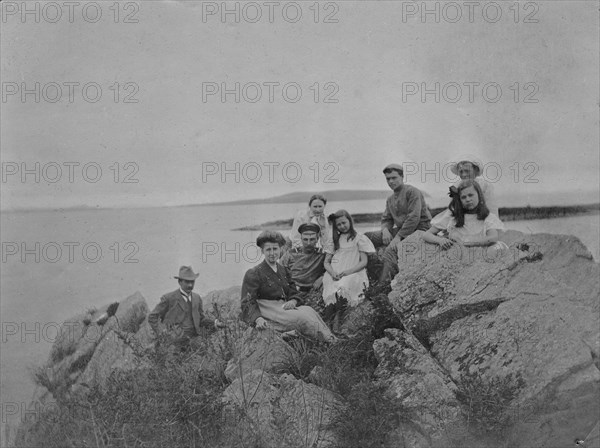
(472, 227)
(346, 257)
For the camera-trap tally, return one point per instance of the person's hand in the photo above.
(458, 240)
(219, 324)
(261, 323)
(445, 243)
(318, 283)
(335, 276)
(386, 236)
(290, 304)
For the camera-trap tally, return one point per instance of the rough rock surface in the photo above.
(258, 350)
(110, 354)
(517, 334)
(85, 352)
(492, 350)
(421, 386)
(280, 411)
(227, 302)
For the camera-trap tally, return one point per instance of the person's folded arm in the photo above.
(413, 217)
(362, 263)
(294, 294)
(158, 314)
(490, 237)
(387, 220)
(327, 264)
(250, 286)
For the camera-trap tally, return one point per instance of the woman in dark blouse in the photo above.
(270, 299)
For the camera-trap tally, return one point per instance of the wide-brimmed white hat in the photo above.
(475, 161)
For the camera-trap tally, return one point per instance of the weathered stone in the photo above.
(131, 313)
(71, 331)
(357, 318)
(144, 339)
(258, 350)
(280, 411)
(517, 334)
(227, 303)
(111, 353)
(421, 386)
(78, 340)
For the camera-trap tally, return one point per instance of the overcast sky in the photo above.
(373, 61)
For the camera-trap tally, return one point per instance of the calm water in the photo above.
(160, 240)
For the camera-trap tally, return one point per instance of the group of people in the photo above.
(326, 253)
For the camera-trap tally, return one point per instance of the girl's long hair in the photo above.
(336, 233)
(456, 206)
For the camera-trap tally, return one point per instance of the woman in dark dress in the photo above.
(270, 299)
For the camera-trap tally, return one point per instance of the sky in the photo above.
(329, 93)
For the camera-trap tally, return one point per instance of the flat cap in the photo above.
(309, 227)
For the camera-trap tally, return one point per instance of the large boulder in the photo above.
(131, 312)
(92, 342)
(273, 411)
(516, 332)
(112, 353)
(424, 391)
(258, 350)
(224, 303)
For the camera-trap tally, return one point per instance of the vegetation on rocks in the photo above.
(454, 354)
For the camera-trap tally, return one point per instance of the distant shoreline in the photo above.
(506, 214)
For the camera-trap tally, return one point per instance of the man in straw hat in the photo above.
(181, 311)
(470, 167)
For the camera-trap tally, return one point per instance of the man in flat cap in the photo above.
(181, 311)
(306, 263)
(405, 212)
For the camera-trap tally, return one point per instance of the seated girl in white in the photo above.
(345, 274)
(467, 221)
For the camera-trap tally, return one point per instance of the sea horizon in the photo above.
(567, 198)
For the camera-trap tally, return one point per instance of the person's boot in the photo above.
(337, 322)
(329, 313)
(385, 276)
(340, 315)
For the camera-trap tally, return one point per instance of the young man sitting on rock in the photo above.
(181, 312)
(405, 212)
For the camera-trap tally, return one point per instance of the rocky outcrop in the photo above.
(482, 348)
(274, 411)
(513, 337)
(258, 350)
(420, 385)
(91, 345)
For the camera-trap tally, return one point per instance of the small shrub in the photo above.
(171, 403)
(487, 403)
(303, 355)
(41, 378)
(61, 351)
(368, 417)
(134, 320)
(81, 363)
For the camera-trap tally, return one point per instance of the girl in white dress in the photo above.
(346, 276)
(467, 221)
